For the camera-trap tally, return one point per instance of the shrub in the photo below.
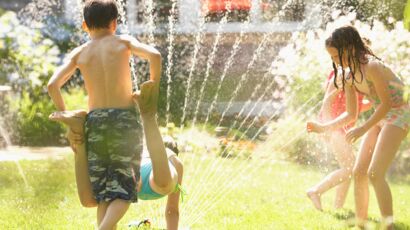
(27, 62)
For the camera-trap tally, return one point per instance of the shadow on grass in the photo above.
(345, 215)
(401, 226)
(342, 215)
(349, 217)
(397, 225)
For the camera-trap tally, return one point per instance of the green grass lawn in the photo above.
(238, 195)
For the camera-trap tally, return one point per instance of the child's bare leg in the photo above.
(160, 165)
(147, 101)
(345, 157)
(341, 194)
(361, 186)
(331, 180)
(101, 210)
(82, 178)
(113, 214)
(75, 121)
(386, 148)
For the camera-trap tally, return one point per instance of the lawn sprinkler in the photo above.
(143, 224)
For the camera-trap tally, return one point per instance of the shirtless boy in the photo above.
(113, 131)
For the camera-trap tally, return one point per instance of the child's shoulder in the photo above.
(129, 39)
(126, 38)
(375, 67)
(374, 63)
(76, 51)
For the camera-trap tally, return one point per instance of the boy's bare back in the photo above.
(104, 64)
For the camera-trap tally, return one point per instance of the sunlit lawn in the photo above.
(270, 197)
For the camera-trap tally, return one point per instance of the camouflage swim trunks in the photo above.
(114, 145)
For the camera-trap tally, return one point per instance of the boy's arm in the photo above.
(60, 77)
(146, 52)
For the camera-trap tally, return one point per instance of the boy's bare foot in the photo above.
(74, 119)
(315, 198)
(147, 98)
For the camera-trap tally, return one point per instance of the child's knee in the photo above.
(167, 187)
(359, 173)
(348, 171)
(347, 165)
(375, 176)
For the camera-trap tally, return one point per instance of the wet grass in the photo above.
(261, 196)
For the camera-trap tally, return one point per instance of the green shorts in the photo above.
(114, 145)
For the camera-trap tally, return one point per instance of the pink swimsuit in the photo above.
(339, 104)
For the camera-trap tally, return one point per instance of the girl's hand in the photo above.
(315, 127)
(353, 134)
(75, 138)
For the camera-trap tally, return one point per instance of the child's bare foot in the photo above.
(338, 207)
(339, 202)
(361, 223)
(74, 119)
(315, 198)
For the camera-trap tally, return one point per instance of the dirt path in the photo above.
(15, 153)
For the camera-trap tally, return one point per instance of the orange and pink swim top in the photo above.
(339, 103)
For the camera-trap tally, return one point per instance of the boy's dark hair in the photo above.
(347, 38)
(98, 14)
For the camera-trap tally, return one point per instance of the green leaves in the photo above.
(406, 15)
(28, 60)
(26, 52)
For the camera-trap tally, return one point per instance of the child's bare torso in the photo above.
(104, 64)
